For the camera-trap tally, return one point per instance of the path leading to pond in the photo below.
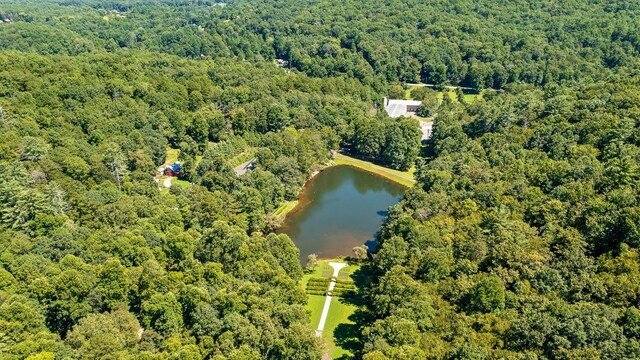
(327, 303)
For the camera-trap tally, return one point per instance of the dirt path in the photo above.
(167, 182)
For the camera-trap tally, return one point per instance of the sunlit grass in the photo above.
(242, 158)
(404, 178)
(339, 311)
(468, 98)
(284, 209)
(181, 183)
(172, 156)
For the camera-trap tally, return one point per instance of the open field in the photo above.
(315, 305)
(172, 156)
(338, 317)
(181, 183)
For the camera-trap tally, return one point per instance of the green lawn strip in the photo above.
(181, 183)
(450, 92)
(422, 118)
(469, 98)
(339, 311)
(404, 178)
(285, 208)
(315, 304)
(338, 315)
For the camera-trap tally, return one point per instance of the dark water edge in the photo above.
(340, 208)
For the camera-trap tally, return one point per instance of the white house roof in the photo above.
(396, 108)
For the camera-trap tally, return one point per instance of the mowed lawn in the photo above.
(404, 178)
(468, 97)
(172, 156)
(285, 208)
(315, 305)
(339, 311)
(338, 317)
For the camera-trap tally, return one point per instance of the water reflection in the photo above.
(340, 208)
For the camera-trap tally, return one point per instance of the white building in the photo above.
(397, 108)
(408, 108)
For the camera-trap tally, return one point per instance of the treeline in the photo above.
(96, 262)
(391, 142)
(520, 240)
(481, 44)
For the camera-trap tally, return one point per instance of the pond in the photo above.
(340, 208)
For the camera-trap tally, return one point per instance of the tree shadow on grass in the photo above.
(349, 336)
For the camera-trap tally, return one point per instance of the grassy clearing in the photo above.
(337, 319)
(285, 208)
(181, 183)
(339, 312)
(174, 182)
(172, 156)
(404, 178)
(311, 273)
(315, 305)
(242, 158)
(468, 97)
(407, 92)
(451, 93)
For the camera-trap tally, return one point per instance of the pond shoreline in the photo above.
(338, 209)
(404, 179)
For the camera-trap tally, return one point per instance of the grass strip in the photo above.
(404, 178)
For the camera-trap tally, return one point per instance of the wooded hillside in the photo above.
(519, 241)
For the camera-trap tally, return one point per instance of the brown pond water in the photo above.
(340, 208)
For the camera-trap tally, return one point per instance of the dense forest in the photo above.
(520, 239)
(482, 44)
(87, 237)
